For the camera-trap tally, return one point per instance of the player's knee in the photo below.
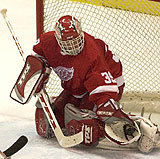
(91, 130)
(42, 125)
(78, 119)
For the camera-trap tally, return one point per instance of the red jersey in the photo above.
(94, 70)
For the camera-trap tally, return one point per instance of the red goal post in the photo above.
(131, 28)
(39, 17)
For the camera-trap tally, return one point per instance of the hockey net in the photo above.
(131, 28)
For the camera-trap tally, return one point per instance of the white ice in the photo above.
(16, 119)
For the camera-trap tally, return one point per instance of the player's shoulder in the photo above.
(48, 39)
(48, 36)
(91, 48)
(100, 42)
(95, 40)
(49, 33)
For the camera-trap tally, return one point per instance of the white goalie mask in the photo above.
(69, 35)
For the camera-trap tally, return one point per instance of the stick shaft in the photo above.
(3, 12)
(64, 141)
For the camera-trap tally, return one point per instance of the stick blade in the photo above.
(71, 141)
(20, 143)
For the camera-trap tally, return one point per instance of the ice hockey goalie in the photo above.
(116, 127)
(88, 108)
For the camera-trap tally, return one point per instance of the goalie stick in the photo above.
(15, 147)
(64, 141)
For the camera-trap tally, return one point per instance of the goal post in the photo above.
(39, 17)
(131, 28)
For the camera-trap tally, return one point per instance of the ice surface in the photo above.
(21, 122)
(16, 119)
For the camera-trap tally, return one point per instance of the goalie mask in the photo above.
(69, 35)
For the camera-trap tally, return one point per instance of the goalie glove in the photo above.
(119, 127)
(31, 80)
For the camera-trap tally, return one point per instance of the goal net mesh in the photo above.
(131, 28)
